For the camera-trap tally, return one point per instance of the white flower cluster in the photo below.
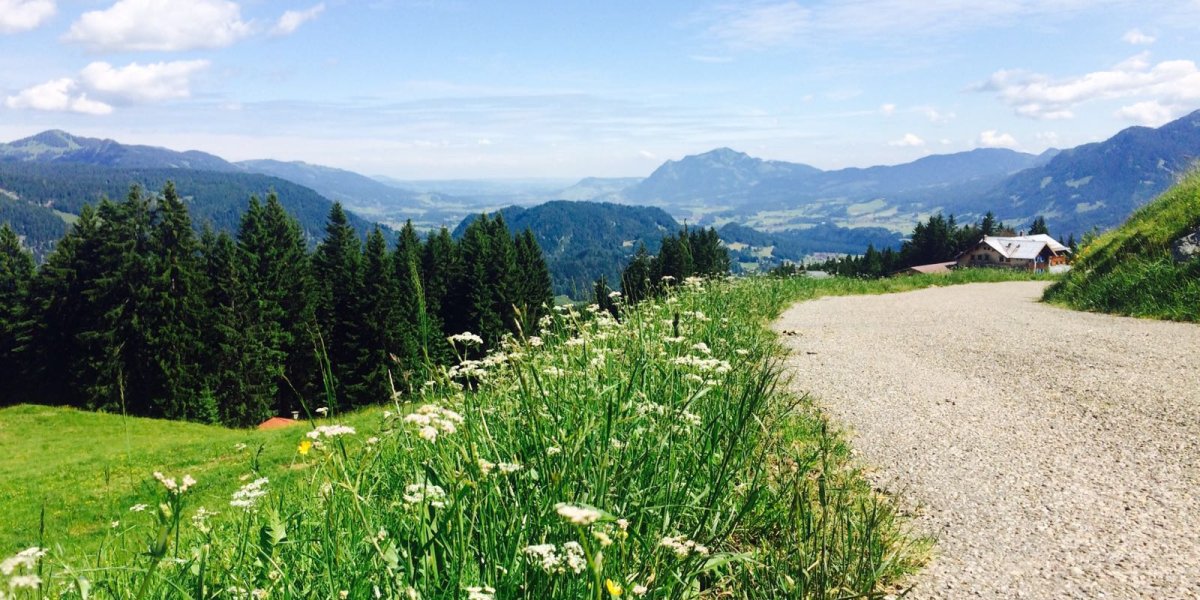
(548, 557)
(425, 493)
(696, 282)
(683, 547)
(703, 364)
(172, 486)
(330, 431)
(481, 592)
(697, 315)
(432, 420)
(27, 561)
(248, 495)
(466, 338)
(578, 515)
(486, 467)
(650, 409)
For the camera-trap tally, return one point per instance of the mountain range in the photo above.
(46, 177)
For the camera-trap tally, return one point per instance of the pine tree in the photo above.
(441, 267)
(411, 331)
(1038, 227)
(502, 276)
(241, 371)
(476, 284)
(536, 292)
(173, 312)
(377, 316)
(336, 270)
(602, 297)
(16, 277)
(636, 284)
(988, 226)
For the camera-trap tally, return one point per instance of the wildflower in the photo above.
(614, 589)
(701, 347)
(575, 341)
(428, 433)
(573, 554)
(578, 515)
(371, 441)
(639, 590)
(248, 495)
(424, 493)
(553, 371)
(26, 558)
(546, 555)
(742, 352)
(200, 519)
(623, 524)
(535, 341)
(324, 410)
(344, 594)
(507, 468)
(466, 338)
(172, 486)
(484, 592)
(603, 538)
(24, 581)
(552, 450)
(683, 547)
(617, 444)
(115, 524)
(138, 507)
(304, 447)
(668, 278)
(614, 295)
(238, 447)
(330, 431)
(694, 282)
(432, 420)
(486, 467)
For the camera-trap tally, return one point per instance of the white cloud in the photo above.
(888, 109)
(993, 139)
(936, 116)
(1150, 113)
(161, 25)
(143, 83)
(908, 141)
(134, 83)
(1170, 83)
(1047, 137)
(648, 155)
(1137, 38)
(291, 20)
(761, 26)
(59, 95)
(23, 15)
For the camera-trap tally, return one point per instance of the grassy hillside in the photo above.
(1129, 270)
(658, 456)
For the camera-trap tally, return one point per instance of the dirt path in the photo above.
(1052, 453)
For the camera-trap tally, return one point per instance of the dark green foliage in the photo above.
(336, 272)
(603, 297)
(939, 239)
(16, 275)
(1038, 226)
(131, 313)
(695, 253)
(535, 292)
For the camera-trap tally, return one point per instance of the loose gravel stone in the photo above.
(1050, 453)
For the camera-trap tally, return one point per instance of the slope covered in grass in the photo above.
(1130, 271)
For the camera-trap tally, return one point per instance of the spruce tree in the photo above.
(16, 276)
(411, 330)
(1038, 227)
(336, 271)
(475, 286)
(377, 315)
(636, 280)
(535, 293)
(502, 276)
(441, 267)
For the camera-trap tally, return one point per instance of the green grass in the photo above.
(706, 477)
(1129, 270)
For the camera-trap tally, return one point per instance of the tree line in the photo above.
(134, 312)
(939, 239)
(689, 253)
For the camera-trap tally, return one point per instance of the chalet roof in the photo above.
(942, 267)
(1025, 246)
(277, 422)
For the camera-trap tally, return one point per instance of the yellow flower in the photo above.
(614, 589)
(305, 446)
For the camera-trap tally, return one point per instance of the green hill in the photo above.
(1130, 270)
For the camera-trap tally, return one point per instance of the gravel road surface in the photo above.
(1051, 453)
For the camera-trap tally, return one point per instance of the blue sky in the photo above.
(427, 89)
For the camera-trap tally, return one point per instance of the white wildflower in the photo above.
(324, 410)
(535, 341)
(578, 515)
(553, 450)
(484, 592)
(603, 538)
(238, 447)
(26, 558)
(30, 582)
(575, 341)
(172, 486)
(742, 352)
(683, 547)
(432, 420)
(330, 431)
(425, 493)
(115, 524)
(623, 524)
(553, 371)
(507, 468)
(546, 556)
(138, 507)
(466, 338)
(702, 348)
(246, 497)
(639, 590)
(614, 295)
(428, 433)
(486, 467)
(573, 554)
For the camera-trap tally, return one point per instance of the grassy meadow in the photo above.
(1130, 271)
(655, 457)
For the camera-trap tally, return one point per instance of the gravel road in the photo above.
(1051, 453)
